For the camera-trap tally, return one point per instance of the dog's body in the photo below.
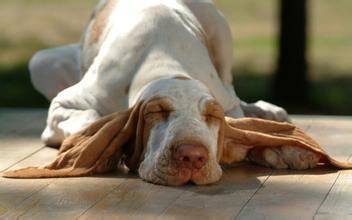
(132, 51)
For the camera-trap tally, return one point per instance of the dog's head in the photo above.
(182, 132)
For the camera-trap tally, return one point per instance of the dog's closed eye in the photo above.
(156, 109)
(213, 112)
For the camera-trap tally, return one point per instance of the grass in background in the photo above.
(30, 25)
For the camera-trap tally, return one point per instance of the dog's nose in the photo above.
(191, 156)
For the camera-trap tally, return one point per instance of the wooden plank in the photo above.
(336, 216)
(65, 198)
(222, 200)
(20, 144)
(51, 198)
(136, 199)
(133, 199)
(244, 192)
(35, 198)
(289, 195)
(286, 192)
(15, 150)
(339, 201)
(19, 135)
(14, 191)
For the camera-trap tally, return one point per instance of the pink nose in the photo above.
(191, 156)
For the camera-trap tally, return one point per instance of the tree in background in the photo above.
(291, 79)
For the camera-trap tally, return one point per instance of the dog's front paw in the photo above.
(285, 157)
(265, 110)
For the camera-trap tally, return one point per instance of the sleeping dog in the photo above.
(168, 64)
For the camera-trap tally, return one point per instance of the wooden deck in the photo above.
(245, 192)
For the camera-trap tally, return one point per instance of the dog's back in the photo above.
(100, 22)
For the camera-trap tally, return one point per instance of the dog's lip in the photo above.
(186, 175)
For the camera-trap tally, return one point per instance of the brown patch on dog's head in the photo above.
(100, 19)
(213, 112)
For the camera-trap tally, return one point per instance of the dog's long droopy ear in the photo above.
(242, 135)
(96, 149)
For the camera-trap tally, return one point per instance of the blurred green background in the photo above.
(30, 25)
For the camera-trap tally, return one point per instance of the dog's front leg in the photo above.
(64, 120)
(265, 110)
(284, 157)
(101, 91)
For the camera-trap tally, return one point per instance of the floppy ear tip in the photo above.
(21, 173)
(7, 174)
(11, 174)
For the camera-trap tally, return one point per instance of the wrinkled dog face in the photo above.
(182, 123)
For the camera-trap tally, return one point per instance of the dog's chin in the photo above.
(177, 177)
(207, 175)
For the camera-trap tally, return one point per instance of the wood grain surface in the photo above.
(245, 191)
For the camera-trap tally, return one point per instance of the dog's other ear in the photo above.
(243, 135)
(96, 149)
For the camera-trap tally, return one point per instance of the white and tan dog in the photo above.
(176, 56)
